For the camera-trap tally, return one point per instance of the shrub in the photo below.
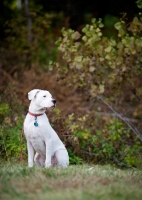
(96, 65)
(10, 145)
(10, 125)
(114, 144)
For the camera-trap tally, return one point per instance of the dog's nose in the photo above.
(54, 101)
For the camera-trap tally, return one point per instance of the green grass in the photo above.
(74, 183)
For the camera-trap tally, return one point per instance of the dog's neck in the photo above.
(33, 108)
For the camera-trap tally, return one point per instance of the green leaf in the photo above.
(121, 32)
(97, 30)
(101, 88)
(99, 34)
(108, 57)
(118, 25)
(108, 49)
(78, 58)
(101, 25)
(119, 45)
(93, 20)
(84, 38)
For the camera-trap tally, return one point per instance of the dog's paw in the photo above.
(47, 165)
(30, 164)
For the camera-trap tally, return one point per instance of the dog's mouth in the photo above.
(50, 108)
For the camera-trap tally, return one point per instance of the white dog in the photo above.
(50, 151)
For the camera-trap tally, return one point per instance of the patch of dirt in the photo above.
(68, 100)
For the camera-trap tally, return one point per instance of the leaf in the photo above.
(101, 25)
(84, 38)
(78, 58)
(102, 59)
(64, 33)
(99, 34)
(91, 28)
(97, 30)
(91, 68)
(101, 88)
(136, 21)
(108, 49)
(84, 30)
(118, 25)
(73, 49)
(76, 35)
(121, 32)
(93, 20)
(113, 42)
(124, 67)
(119, 45)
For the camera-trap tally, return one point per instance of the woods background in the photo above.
(92, 66)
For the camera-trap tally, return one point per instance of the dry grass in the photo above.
(74, 183)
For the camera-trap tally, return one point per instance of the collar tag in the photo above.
(35, 115)
(36, 124)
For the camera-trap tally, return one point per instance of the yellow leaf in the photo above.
(108, 49)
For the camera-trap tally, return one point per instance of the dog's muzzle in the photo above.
(54, 102)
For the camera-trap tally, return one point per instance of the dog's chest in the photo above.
(38, 144)
(39, 131)
(36, 137)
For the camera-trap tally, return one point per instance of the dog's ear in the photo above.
(32, 93)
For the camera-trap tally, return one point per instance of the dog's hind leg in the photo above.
(62, 158)
(39, 160)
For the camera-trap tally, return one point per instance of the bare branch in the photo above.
(135, 130)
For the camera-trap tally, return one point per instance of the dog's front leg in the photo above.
(48, 153)
(30, 154)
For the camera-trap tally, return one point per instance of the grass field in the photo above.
(83, 182)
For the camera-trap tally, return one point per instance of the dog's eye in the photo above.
(44, 96)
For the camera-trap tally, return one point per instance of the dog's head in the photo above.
(42, 98)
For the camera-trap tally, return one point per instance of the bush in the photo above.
(99, 64)
(114, 144)
(10, 144)
(11, 125)
(96, 65)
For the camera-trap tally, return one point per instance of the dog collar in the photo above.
(35, 115)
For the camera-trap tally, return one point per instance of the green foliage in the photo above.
(10, 146)
(95, 62)
(11, 125)
(28, 45)
(10, 106)
(97, 65)
(4, 108)
(73, 159)
(139, 3)
(114, 144)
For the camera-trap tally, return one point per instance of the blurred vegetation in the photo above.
(96, 63)
(24, 53)
(102, 61)
(99, 65)
(114, 143)
(11, 123)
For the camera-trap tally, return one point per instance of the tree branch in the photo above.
(135, 130)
